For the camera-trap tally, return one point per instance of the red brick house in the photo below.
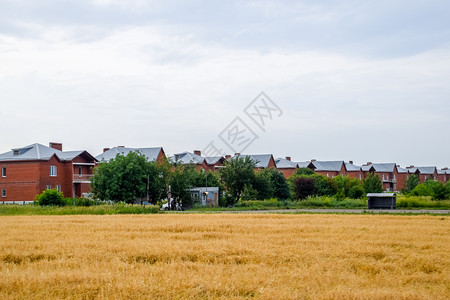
(443, 175)
(286, 166)
(387, 172)
(328, 169)
(424, 173)
(29, 170)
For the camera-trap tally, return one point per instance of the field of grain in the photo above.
(225, 256)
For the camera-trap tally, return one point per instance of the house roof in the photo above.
(212, 160)
(283, 163)
(424, 170)
(352, 168)
(328, 165)
(150, 153)
(39, 152)
(303, 164)
(382, 167)
(187, 158)
(262, 160)
(402, 170)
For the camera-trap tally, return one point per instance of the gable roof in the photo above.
(402, 170)
(328, 165)
(383, 167)
(187, 158)
(352, 168)
(423, 170)
(283, 163)
(40, 152)
(261, 160)
(303, 164)
(212, 160)
(150, 153)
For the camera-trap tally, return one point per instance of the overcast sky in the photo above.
(355, 80)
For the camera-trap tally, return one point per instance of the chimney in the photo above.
(237, 154)
(288, 158)
(410, 167)
(105, 149)
(368, 163)
(121, 146)
(198, 152)
(227, 156)
(445, 169)
(313, 160)
(350, 162)
(57, 146)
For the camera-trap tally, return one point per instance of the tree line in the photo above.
(127, 178)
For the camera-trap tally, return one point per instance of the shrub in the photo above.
(356, 192)
(50, 197)
(304, 187)
(373, 184)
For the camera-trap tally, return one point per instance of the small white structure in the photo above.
(205, 196)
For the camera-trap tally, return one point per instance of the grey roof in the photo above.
(150, 153)
(303, 164)
(211, 160)
(262, 160)
(425, 170)
(351, 167)
(383, 167)
(283, 163)
(38, 152)
(380, 194)
(187, 158)
(328, 165)
(402, 170)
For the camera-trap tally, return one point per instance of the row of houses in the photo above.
(29, 170)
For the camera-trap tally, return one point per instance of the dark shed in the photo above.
(382, 200)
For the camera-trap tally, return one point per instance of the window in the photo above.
(328, 175)
(3, 171)
(4, 193)
(360, 176)
(58, 188)
(80, 170)
(48, 187)
(383, 176)
(53, 171)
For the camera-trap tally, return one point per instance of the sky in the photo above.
(352, 80)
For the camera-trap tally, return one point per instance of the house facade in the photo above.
(29, 170)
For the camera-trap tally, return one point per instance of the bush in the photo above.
(304, 187)
(373, 184)
(356, 192)
(50, 197)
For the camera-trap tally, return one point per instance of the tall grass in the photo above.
(412, 202)
(15, 210)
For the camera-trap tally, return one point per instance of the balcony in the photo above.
(388, 180)
(83, 178)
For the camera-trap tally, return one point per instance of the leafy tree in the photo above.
(249, 193)
(125, 178)
(346, 184)
(279, 184)
(432, 188)
(304, 187)
(325, 186)
(50, 197)
(262, 183)
(303, 171)
(373, 184)
(356, 192)
(412, 182)
(237, 173)
(181, 181)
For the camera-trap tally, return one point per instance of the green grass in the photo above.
(421, 202)
(29, 210)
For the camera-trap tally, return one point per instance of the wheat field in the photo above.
(225, 256)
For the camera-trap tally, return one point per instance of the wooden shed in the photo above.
(382, 200)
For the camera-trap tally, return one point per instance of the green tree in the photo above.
(237, 173)
(411, 183)
(373, 184)
(279, 184)
(303, 171)
(181, 181)
(50, 197)
(125, 178)
(262, 183)
(325, 186)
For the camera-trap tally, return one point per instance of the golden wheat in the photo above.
(225, 256)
